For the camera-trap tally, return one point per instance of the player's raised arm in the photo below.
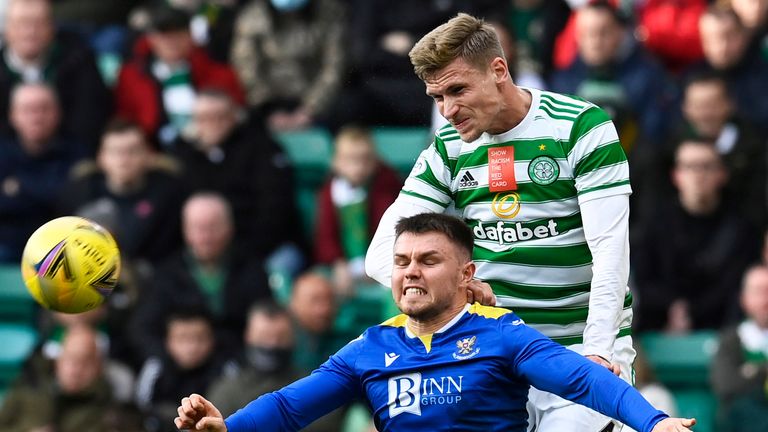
(550, 367)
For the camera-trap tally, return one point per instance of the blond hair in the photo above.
(354, 133)
(463, 36)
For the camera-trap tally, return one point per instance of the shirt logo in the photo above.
(504, 209)
(409, 392)
(543, 170)
(466, 348)
(467, 180)
(390, 358)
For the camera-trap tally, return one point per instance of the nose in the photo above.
(412, 271)
(449, 108)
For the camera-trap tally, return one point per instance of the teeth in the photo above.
(414, 291)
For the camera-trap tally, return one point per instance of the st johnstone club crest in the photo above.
(465, 348)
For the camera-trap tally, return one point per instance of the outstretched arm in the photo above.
(551, 367)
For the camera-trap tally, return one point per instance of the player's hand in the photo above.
(197, 413)
(614, 368)
(671, 424)
(481, 292)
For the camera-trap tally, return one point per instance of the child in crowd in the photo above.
(350, 205)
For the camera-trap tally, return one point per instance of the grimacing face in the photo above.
(429, 275)
(470, 97)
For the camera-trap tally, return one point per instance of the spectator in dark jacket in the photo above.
(156, 87)
(35, 52)
(142, 200)
(615, 72)
(210, 273)
(34, 165)
(350, 205)
(189, 364)
(224, 152)
(693, 249)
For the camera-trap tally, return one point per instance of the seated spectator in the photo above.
(692, 251)
(34, 165)
(740, 367)
(34, 52)
(754, 15)
(223, 152)
(189, 364)
(350, 205)
(265, 365)
(709, 112)
(289, 58)
(71, 395)
(211, 273)
(725, 41)
(143, 201)
(313, 309)
(156, 87)
(614, 71)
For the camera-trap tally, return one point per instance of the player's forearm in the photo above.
(263, 414)
(606, 227)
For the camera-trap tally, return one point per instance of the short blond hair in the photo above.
(463, 36)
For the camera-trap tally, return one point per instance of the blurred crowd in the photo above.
(160, 121)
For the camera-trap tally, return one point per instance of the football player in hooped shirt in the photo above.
(441, 365)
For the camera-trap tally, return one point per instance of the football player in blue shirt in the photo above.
(443, 364)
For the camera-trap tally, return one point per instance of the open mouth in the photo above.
(413, 292)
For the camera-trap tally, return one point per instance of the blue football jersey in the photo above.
(472, 375)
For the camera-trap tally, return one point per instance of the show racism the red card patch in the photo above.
(501, 169)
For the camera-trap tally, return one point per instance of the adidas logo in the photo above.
(467, 180)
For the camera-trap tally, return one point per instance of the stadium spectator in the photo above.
(740, 368)
(211, 273)
(670, 30)
(692, 251)
(726, 50)
(265, 365)
(381, 88)
(350, 204)
(289, 57)
(224, 152)
(189, 363)
(709, 112)
(70, 395)
(420, 385)
(34, 165)
(140, 198)
(35, 52)
(615, 72)
(156, 87)
(754, 16)
(313, 309)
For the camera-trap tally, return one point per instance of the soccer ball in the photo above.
(70, 264)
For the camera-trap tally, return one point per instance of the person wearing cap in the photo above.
(156, 87)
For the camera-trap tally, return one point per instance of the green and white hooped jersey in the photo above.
(523, 206)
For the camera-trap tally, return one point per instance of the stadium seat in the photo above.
(18, 342)
(310, 151)
(16, 305)
(400, 146)
(681, 360)
(682, 363)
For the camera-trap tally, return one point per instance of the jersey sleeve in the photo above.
(333, 384)
(599, 163)
(430, 179)
(550, 367)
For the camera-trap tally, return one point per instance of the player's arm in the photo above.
(426, 190)
(291, 408)
(601, 175)
(606, 228)
(550, 367)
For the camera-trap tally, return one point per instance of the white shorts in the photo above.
(551, 413)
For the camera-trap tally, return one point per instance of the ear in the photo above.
(500, 70)
(468, 272)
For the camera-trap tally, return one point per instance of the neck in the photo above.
(517, 103)
(699, 205)
(421, 327)
(122, 188)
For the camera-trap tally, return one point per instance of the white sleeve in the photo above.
(378, 259)
(606, 227)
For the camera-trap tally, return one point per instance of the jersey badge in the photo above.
(465, 348)
(390, 358)
(543, 170)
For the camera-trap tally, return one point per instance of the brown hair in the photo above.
(463, 36)
(354, 133)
